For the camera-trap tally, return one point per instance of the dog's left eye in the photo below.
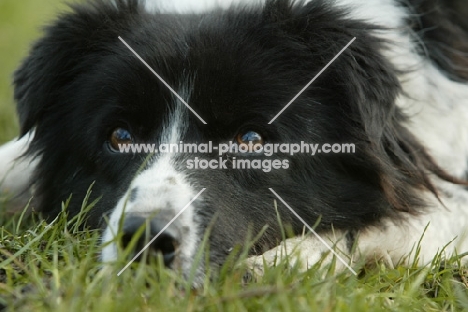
(245, 138)
(120, 136)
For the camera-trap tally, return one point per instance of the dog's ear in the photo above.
(69, 46)
(366, 87)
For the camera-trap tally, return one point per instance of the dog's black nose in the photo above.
(165, 244)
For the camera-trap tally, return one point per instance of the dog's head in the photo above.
(84, 92)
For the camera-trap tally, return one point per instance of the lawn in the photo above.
(55, 266)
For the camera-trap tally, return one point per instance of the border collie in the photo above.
(120, 73)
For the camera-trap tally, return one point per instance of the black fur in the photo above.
(242, 66)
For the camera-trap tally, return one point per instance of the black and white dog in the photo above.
(398, 94)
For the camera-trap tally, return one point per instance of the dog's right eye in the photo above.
(120, 136)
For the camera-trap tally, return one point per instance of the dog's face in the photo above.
(84, 92)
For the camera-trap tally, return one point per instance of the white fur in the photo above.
(15, 171)
(197, 7)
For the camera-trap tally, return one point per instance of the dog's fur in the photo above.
(399, 93)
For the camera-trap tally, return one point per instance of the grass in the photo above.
(55, 267)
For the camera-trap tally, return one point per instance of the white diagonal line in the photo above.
(313, 232)
(313, 79)
(163, 229)
(162, 80)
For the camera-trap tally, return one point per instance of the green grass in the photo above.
(56, 267)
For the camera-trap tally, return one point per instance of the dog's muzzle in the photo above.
(163, 239)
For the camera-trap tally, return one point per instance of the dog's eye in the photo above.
(245, 138)
(119, 137)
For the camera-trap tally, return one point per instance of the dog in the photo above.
(387, 77)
